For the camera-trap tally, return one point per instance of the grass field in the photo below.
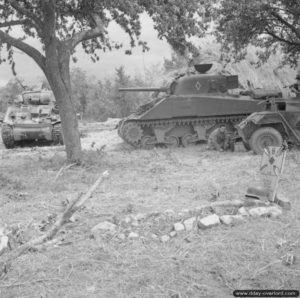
(201, 263)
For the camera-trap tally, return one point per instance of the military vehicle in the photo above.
(194, 105)
(33, 116)
(278, 123)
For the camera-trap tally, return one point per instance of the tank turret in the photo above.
(194, 105)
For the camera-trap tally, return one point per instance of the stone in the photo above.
(243, 211)
(169, 212)
(3, 243)
(121, 236)
(189, 223)
(133, 235)
(208, 221)
(127, 219)
(173, 234)
(135, 223)
(139, 216)
(74, 218)
(283, 202)
(178, 227)
(154, 236)
(185, 211)
(272, 211)
(165, 238)
(231, 219)
(104, 227)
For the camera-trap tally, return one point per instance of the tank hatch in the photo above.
(202, 68)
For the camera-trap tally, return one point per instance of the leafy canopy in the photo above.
(267, 24)
(70, 22)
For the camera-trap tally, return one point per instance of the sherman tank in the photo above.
(33, 116)
(193, 105)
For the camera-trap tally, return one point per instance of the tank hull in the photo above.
(185, 120)
(200, 106)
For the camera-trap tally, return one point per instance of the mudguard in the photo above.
(255, 120)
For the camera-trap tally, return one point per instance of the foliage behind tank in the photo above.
(33, 116)
(194, 105)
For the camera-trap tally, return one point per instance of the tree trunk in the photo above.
(58, 75)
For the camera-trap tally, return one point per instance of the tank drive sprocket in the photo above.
(132, 133)
(7, 136)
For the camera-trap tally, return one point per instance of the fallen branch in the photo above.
(62, 219)
(227, 203)
(63, 168)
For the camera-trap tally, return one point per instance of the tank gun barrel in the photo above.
(145, 89)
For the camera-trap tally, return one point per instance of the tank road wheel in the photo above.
(57, 137)
(132, 133)
(7, 136)
(171, 142)
(264, 137)
(188, 140)
(148, 142)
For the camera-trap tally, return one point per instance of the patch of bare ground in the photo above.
(202, 263)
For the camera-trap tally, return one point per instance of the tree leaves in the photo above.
(265, 24)
(174, 20)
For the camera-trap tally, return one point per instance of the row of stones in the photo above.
(185, 225)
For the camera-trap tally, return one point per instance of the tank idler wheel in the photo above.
(171, 142)
(264, 137)
(148, 142)
(7, 136)
(188, 140)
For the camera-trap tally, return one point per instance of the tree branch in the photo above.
(87, 34)
(61, 220)
(286, 23)
(24, 47)
(25, 12)
(281, 38)
(14, 23)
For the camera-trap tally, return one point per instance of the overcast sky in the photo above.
(135, 63)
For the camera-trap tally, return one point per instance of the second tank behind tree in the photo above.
(194, 105)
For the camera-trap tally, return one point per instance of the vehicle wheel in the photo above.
(7, 136)
(188, 140)
(148, 142)
(264, 137)
(171, 142)
(57, 136)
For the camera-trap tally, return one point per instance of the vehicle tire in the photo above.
(264, 137)
(7, 136)
(57, 136)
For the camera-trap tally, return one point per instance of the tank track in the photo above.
(145, 128)
(7, 136)
(57, 136)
